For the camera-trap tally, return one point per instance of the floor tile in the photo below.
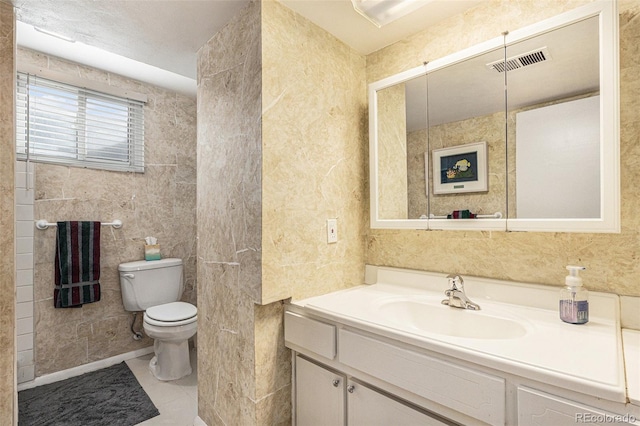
(176, 400)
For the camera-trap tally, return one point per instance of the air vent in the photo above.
(520, 61)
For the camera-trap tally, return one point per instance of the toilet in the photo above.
(155, 287)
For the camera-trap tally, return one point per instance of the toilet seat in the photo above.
(171, 314)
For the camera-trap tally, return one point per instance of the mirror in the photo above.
(447, 140)
(467, 138)
(402, 141)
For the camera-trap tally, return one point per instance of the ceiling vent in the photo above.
(521, 61)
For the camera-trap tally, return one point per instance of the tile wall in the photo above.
(25, 229)
(281, 148)
(159, 202)
(229, 215)
(8, 393)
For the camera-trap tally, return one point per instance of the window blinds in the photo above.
(63, 124)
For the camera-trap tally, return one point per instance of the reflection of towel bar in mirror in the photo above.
(496, 215)
(43, 224)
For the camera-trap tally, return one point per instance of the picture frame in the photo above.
(460, 169)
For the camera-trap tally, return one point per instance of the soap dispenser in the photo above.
(574, 298)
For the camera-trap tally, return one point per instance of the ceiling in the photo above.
(471, 88)
(157, 40)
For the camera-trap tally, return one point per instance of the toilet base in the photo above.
(171, 360)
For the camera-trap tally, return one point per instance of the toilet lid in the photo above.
(172, 312)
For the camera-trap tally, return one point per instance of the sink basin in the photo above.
(429, 317)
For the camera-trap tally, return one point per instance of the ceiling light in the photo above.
(382, 12)
(56, 35)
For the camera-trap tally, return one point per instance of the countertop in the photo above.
(587, 357)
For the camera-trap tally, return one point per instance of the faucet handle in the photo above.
(456, 282)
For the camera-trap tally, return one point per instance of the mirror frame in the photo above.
(609, 220)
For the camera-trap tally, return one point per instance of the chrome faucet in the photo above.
(456, 295)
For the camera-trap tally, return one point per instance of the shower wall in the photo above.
(24, 270)
(159, 202)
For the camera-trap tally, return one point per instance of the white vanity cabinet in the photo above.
(327, 398)
(319, 395)
(366, 407)
(347, 376)
(399, 353)
(537, 408)
(325, 395)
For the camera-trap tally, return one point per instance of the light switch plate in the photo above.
(332, 231)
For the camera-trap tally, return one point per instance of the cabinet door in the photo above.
(367, 407)
(536, 408)
(319, 395)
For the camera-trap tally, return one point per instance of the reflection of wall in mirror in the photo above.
(392, 153)
(489, 128)
(416, 147)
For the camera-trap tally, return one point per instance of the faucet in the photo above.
(456, 295)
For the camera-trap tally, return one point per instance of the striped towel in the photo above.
(461, 214)
(77, 264)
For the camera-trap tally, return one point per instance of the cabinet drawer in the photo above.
(309, 334)
(536, 408)
(473, 393)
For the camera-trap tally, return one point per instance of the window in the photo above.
(63, 124)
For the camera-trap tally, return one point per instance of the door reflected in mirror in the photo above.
(554, 124)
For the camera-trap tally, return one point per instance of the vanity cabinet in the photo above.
(537, 408)
(478, 395)
(326, 397)
(319, 394)
(366, 407)
(345, 374)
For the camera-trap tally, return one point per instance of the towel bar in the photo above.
(43, 224)
(496, 215)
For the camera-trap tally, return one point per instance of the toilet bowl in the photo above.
(156, 287)
(171, 325)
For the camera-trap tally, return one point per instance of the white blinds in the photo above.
(63, 124)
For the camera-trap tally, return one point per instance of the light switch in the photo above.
(332, 231)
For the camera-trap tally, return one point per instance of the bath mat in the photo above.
(111, 396)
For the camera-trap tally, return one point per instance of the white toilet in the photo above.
(156, 287)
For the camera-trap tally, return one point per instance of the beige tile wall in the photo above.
(160, 202)
(416, 184)
(611, 259)
(277, 156)
(315, 143)
(7, 227)
(393, 154)
(229, 214)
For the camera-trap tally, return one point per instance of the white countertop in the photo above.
(587, 357)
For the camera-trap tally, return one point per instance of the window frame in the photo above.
(83, 92)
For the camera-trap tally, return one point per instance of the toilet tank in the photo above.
(149, 283)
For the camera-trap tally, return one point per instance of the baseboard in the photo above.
(199, 422)
(85, 368)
